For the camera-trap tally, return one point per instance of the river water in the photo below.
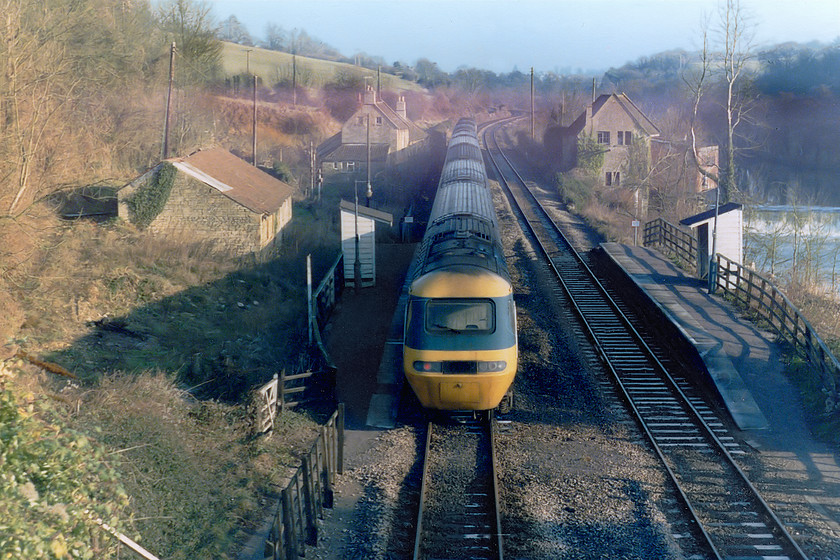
(794, 242)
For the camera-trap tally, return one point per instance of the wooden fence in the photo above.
(676, 242)
(751, 290)
(308, 493)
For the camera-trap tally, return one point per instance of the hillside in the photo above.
(275, 68)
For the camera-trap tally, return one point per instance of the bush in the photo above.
(55, 483)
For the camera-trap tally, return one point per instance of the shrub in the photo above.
(54, 484)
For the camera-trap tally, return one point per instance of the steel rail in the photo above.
(476, 535)
(598, 322)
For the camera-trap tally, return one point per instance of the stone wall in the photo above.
(201, 212)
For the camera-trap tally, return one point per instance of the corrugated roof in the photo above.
(236, 179)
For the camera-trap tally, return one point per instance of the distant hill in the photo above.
(275, 67)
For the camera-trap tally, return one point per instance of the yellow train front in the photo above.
(460, 345)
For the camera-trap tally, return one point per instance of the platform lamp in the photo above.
(713, 253)
(357, 264)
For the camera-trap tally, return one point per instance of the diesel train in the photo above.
(460, 342)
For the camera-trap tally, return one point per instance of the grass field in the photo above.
(276, 67)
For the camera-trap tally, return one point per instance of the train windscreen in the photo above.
(460, 316)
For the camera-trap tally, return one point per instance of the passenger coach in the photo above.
(460, 344)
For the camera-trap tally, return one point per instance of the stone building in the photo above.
(613, 126)
(392, 137)
(210, 195)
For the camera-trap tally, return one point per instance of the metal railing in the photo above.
(753, 291)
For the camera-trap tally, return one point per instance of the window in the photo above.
(613, 178)
(378, 121)
(457, 316)
(604, 137)
(351, 166)
(625, 137)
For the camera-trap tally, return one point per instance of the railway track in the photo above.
(458, 515)
(727, 517)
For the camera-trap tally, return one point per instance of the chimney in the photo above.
(401, 107)
(370, 96)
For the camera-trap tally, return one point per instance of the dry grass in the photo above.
(189, 316)
(197, 481)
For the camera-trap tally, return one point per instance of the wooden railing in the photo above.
(674, 241)
(308, 493)
(751, 290)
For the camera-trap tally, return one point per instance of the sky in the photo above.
(549, 35)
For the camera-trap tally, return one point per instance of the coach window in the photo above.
(604, 137)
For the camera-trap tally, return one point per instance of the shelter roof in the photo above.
(372, 213)
(698, 219)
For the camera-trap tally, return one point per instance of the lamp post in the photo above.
(357, 264)
(712, 257)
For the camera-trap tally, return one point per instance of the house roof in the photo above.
(639, 118)
(357, 152)
(415, 133)
(697, 219)
(236, 179)
(328, 146)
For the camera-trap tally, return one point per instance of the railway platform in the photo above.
(741, 360)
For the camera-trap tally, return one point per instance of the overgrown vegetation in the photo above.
(150, 198)
(56, 483)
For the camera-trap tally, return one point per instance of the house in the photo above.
(391, 136)
(611, 125)
(211, 195)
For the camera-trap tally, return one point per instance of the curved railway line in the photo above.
(458, 516)
(727, 516)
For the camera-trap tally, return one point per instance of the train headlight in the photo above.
(489, 367)
(427, 367)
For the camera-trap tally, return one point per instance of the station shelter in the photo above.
(730, 234)
(359, 220)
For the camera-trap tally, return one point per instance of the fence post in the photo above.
(311, 525)
(281, 391)
(340, 443)
(289, 524)
(328, 483)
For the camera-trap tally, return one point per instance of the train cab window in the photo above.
(460, 316)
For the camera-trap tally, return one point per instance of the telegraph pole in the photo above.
(165, 148)
(369, 193)
(255, 120)
(532, 102)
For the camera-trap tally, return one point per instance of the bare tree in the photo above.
(730, 63)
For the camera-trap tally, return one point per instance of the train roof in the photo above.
(461, 281)
(462, 228)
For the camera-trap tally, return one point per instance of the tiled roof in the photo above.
(236, 179)
(357, 152)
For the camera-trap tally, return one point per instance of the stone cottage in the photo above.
(210, 195)
(610, 125)
(393, 138)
